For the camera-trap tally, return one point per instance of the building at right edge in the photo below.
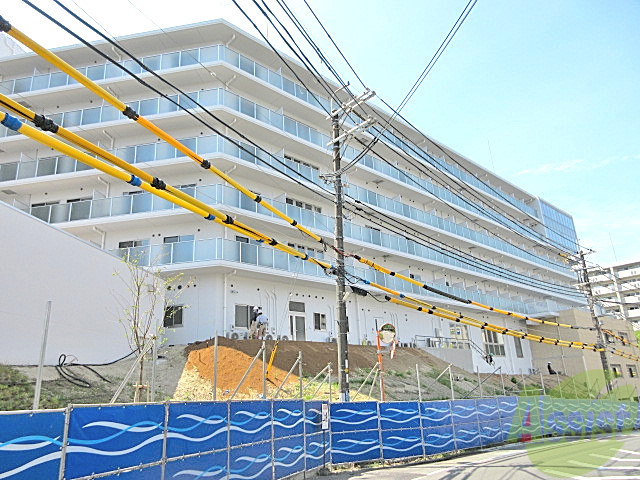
(617, 287)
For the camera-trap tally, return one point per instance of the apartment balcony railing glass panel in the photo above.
(221, 194)
(215, 144)
(258, 255)
(215, 53)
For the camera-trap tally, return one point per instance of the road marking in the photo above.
(615, 458)
(629, 451)
(598, 467)
(618, 477)
(433, 473)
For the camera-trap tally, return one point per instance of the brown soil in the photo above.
(316, 355)
(232, 365)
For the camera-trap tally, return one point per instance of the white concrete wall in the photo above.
(204, 295)
(41, 263)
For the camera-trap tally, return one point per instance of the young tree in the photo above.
(149, 293)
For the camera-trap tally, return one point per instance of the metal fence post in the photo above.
(380, 432)
(65, 440)
(300, 377)
(164, 439)
(264, 369)
(43, 349)
(215, 366)
(544, 391)
(418, 380)
(453, 397)
(228, 438)
(273, 444)
(504, 390)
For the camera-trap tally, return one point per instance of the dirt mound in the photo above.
(232, 365)
(316, 355)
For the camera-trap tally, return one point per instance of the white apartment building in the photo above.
(617, 287)
(242, 81)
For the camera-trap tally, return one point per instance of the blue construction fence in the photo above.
(273, 439)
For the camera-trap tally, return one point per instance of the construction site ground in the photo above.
(186, 374)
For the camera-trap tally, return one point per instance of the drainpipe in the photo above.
(111, 138)
(107, 186)
(103, 236)
(224, 301)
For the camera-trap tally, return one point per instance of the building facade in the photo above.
(574, 362)
(617, 288)
(447, 199)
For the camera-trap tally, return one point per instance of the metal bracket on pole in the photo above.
(353, 103)
(144, 351)
(361, 126)
(246, 373)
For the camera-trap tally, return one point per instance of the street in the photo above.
(602, 458)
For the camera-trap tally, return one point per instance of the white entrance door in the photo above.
(297, 327)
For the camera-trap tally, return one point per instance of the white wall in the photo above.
(205, 298)
(41, 263)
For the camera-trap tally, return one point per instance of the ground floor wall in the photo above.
(218, 299)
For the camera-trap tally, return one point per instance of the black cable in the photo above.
(416, 129)
(155, 90)
(370, 145)
(319, 77)
(491, 269)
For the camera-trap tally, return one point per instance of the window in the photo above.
(242, 239)
(617, 369)
(173, 316)
(517, 341)
(82, 199)
(45, 204)
(178, 238)
(624, 336)
(133, 243)
(296, 306)
(243, 315)
(633, 371)
(301, 204)
(319, 321)
(300, 162)
(493, 344)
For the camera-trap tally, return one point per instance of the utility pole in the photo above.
(341, 306)
(336, 178)
(599, 337)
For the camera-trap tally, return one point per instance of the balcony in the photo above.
(214, 53)
(205, 145)
(219, 194)
(219, 249)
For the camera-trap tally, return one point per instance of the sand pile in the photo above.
(196, 382)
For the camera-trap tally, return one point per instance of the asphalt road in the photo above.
(603, 458)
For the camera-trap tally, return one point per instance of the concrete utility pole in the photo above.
(599, 337)
(336, 178)
(341, 306)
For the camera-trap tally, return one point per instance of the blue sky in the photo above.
(545, 93)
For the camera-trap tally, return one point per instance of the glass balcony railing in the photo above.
(219, 249)
(219, 194)
(213, 144)
(214, 53)
(206, 145)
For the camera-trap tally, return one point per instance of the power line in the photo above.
(395, 112)
(157, 92)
